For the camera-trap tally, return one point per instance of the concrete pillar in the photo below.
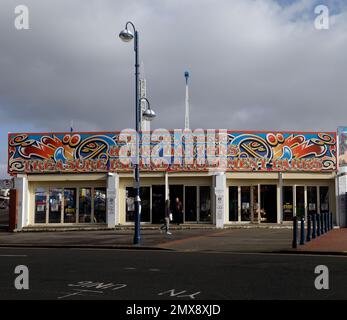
(21, 185)
(112, 208)
(220, 189)
(280, 198)
(166, 186)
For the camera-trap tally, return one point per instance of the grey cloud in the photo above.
(251, 66)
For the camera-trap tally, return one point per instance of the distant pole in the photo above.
(186, 118)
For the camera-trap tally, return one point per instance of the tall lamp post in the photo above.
(126, 35)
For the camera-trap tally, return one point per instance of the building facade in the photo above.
(219, 177)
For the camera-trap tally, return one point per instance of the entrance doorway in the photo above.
(158, 203)
(190, 204)
(268, 203)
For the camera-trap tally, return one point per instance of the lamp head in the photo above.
(148, 114)
(126, 35)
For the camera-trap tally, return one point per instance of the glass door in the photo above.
(245, 203)
(312, 200)
(268, 202)
(324, 199)
(55, 205)
(255, 215)
(145, 204)
(205, 204)
(300, 201)
(233, 203)
(40, 205)
(100, 205)
(287, 203)
(85, 205)
(190, 203)
(158, 203)
(69, 205)
(176, 203)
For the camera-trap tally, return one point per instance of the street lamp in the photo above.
(148, 114)
(126, 35)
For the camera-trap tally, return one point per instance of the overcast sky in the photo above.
(254, 65)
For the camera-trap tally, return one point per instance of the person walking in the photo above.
(166, 224)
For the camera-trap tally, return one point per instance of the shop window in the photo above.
(287, 203)
(100, 205)
(233, 203)
(205, 204)
(85, 205)
(40, 205)
(190, 203)
(324, 199)
(145, 204)
(312, 200)
(69, 205)
(55, 205)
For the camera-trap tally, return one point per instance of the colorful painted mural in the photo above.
(171, 151)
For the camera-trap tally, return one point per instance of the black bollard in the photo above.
(318, 224)
(331, 221)
(314, 226)
(302, 230)
(308, 236)
(295, 232)
(326, 222)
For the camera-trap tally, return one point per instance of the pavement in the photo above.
(187, 240)
(332, 242)
(204, 239)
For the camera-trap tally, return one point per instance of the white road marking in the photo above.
(79, 292)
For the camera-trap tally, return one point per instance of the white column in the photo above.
(258, 203)
(280, 198)
(219, 184)
(318, 200)
(306, 204)
(112, 200)
(294, 200)
(252, 204)
(239, 203)
(21, 185)
(166, 185)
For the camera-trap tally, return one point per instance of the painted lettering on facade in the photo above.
(161, 150)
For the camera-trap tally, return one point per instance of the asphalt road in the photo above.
(144, 274)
